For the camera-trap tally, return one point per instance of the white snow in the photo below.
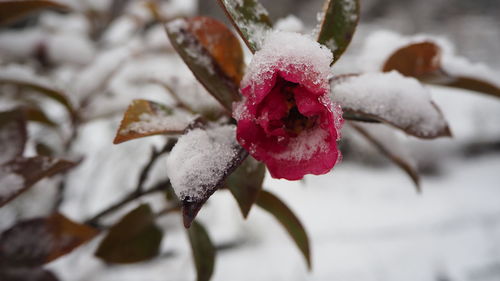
(305, 145)
(199, 161)
(287, 51)
(401, 101)
(150, 123)
(290, 23)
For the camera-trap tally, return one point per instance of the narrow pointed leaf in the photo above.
(38, 241)
(251, 20)
(14, 10)
(203, 251)
(218, 66)
(288, 219)
(423, 60)
(12, 135)
(18, 175)
(246, 183)
(36, 114)
(134, 238)
(40, 88)
(387, 144)
(390, 98)
(146, 118)
(337, 27)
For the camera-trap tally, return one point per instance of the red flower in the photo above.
(286, 118)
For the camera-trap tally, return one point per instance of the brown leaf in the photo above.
(14, 10)
(416, 60)
(388, 150)
(288, 220)
(146, 118)
(36, 114)
(207, 61)
(246, 183)
(133, 239)
(221, 43)
(13, 135)
(472, 84)
(38, 241)
(20, 174)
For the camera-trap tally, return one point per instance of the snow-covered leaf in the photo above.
(288, 219)
(26, 274)
(38, 241)
(212, 53)
(20, 174)
(199, 164)
(387, 143)
(146, 118)
(36, 114)
(251, 20)
(26, 80)
(14, 10)
(134, 238)
(393, 99)
(338, 23)
(246, 182)
(12, 135)
(433, 63)
(203, 251)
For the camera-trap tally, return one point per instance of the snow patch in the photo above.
(200, 160)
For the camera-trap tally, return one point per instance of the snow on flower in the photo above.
(286, 118)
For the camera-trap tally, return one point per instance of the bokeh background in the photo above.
(364, 219)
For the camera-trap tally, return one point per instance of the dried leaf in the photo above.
(337, 27)
(246, 183)
(146, 118)
(134, 238)
(12, 135)
(423, 61)
(287, 218)
(221, 43)
(251, 20)
(36, 114)
(186, 37)
(18, 175)
(385, 143)
(26, 274)
(38, 241)
(415, 60)
(392, 99)
(14, 10)
(203, 251)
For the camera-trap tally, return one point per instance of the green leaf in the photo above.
(287, 218)
(25, 172)
(251, 20)
(246, 183)
(145, 118)
(185, 37)
(340, 18)
(14, 10)
(203, 251)
(134, 238)
(38, 241)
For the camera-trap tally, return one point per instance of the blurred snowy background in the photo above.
(364, 219)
